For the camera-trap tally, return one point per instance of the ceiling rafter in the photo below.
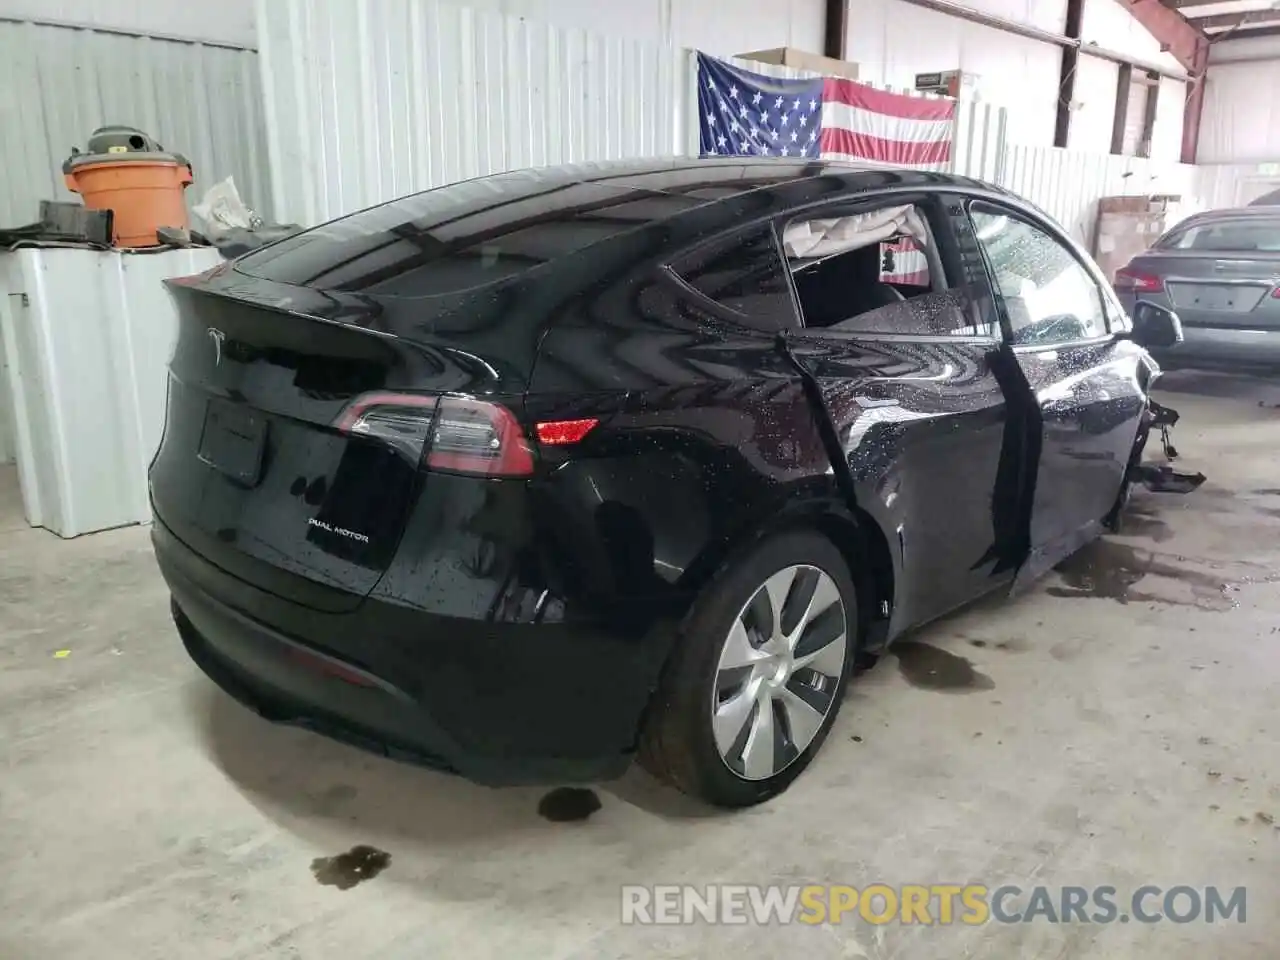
(1260, 18)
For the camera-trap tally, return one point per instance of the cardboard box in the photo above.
(802, 60)
(1127, 226)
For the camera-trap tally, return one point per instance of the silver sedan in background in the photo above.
(1220, 272)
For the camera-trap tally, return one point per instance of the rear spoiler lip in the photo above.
(218, 282)
(351, 314)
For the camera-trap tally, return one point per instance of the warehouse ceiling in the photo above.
(1230, 19)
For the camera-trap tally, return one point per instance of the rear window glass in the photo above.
(1260, 234)
(744, 273)
(458, 237)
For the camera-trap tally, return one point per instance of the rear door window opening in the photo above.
(875, 269)
(742, 273)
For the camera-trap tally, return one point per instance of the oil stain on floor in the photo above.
(1111, 570)
(347, 869)
(932, 668)
(565, 804)
(1141, 520)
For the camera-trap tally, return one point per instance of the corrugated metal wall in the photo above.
(1235, 184)
(1241, 112)
(1067, 184)
(369, 101)
(6, 404)
(59, 83)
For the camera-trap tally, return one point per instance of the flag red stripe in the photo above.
(918, 279)
(882, 150)
(881, 101)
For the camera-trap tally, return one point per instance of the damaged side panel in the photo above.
(1090, 400)
(918, 433)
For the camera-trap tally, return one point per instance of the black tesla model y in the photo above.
(529, 475)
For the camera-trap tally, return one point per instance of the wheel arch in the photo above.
(858, 536)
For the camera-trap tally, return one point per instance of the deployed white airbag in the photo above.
(810, 239)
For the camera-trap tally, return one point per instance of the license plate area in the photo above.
(233, 440)
(1224, 297)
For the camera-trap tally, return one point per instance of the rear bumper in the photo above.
(1212, 346)
(1216, 346)
(498, 703)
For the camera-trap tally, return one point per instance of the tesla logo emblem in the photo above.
(217, 336)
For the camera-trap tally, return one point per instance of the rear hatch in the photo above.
(272, 465)
(1222, 274)
(307, 378)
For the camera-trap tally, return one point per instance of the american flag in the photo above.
(744, 113)
(748, 113)
(905, 263)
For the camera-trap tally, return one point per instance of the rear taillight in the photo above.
(477, 437)
(457, 434)
(400, 420)
(1135, 281)
(1275, 294)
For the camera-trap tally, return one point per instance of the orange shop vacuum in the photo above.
(127, 172)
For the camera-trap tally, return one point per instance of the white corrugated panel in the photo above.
(1094, 105)
(6, 408)
(1067, 184)
(751, 24)
(370, 101)
(1221, 185)
(229, 22)
(60, 83)
(981, 131)
(1241, 121)
(367, 102)
(1166, 138)
(87, 336)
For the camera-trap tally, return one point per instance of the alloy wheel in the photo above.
(779, 671)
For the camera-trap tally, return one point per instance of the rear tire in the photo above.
(758, 674)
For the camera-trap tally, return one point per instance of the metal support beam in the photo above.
(950, 9)
(1223, 44)
(1149, 116)
(1067, 76)
(1120, 116)
(124, 31)
(1175, 34)
(1233, 21)
(1193, 107)
(961, 12)
(1191, 48)
(835, 29)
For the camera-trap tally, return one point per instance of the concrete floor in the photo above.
(1121, 728)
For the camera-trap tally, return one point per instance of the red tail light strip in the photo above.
(457, 434)
(1132, 281)
(559, 433)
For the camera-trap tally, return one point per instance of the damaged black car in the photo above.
(528, 476)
